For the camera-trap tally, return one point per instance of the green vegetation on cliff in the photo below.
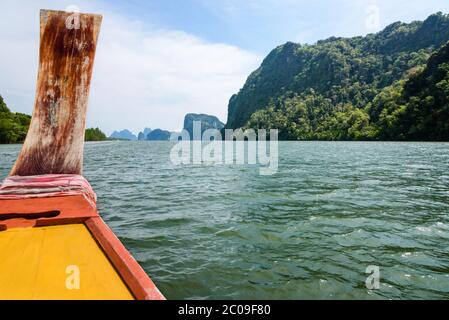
(390, 85)
(95, 134)
(418, 108)
(13, 126)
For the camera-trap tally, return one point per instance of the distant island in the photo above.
(143, 135)
(207, 122)
(146, 135)
(123, 135)
(392, 85)
(95, 134)
(158, 135)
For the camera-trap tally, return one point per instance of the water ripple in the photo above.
(310, 231)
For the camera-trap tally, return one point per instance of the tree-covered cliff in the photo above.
(344, 88)
(417, 108)
(95, 134)
(13, 126)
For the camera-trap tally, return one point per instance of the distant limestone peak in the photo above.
(143, 135)
(159, 135)
(207, 122)
(123, 135)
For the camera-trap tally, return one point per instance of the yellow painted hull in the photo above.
(58, 262)
(53, 243)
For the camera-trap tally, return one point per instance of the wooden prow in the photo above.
(55, 139)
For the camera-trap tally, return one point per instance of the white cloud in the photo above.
(143, 77)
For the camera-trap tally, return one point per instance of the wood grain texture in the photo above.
(55, 139)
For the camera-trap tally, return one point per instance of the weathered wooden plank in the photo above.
(55, 140)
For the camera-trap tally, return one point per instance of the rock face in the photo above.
(342, 70)
(123, 135)
(143, 135)
(207, 122)
(158, 135)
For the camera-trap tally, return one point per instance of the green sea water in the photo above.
(307, 232)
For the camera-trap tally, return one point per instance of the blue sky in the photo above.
(260, 25)
(158, 60)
